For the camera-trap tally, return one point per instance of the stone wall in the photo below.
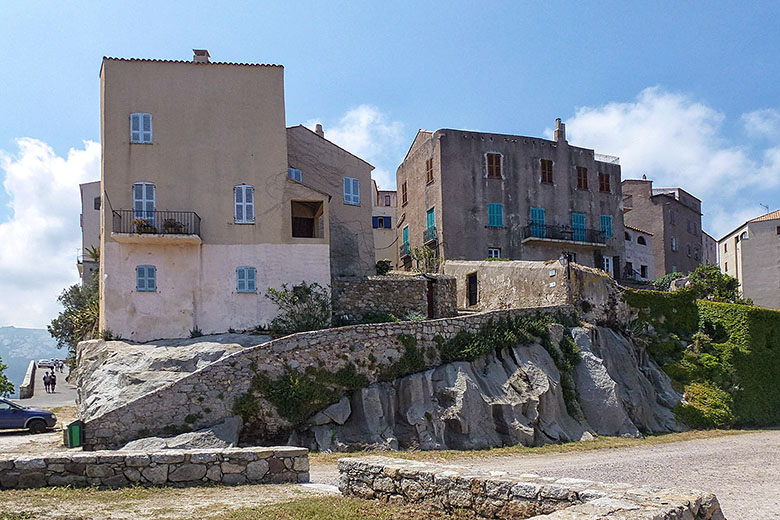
(353, 299)
(113, 469)
(497, 495)
(208, 395)
(27, 388)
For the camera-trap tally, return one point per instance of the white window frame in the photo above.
(500, 165)
(675, 244)
(494, 252)
(146, 277)
(351, 187)
(141, 128)
(247, 209)
(246, 279)
(295, 174)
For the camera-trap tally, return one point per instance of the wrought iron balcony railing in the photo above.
(564, 233)
(156, 222)
(404, 249)
(429, 235)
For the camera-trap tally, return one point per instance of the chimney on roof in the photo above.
(560, 131)
(200, 56)
(318, 130)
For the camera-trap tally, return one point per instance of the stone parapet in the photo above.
(27, 388)
(503, 495)
(114, 469)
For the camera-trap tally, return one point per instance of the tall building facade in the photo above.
(383, 221)
(475, 195)
(198, 214)
(673, 216)
(751, 254)
(89, 220)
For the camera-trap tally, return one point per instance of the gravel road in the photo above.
(742, 470)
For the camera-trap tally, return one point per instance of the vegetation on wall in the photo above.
(383, 267)
(426, 260)
(303, 307)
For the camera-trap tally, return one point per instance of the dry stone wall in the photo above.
(113, 469)
(353, 299)
(207, 396)
(505, 496)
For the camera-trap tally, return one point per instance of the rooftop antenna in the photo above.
(766, 207)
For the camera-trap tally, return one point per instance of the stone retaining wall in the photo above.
(207, 396)
(27, 388)
(113, 469)
(501, 495)
(353, 299)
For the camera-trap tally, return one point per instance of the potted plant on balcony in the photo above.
(173, 226)
(143, 226)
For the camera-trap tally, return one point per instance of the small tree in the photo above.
(710, 283)
(79, 319)
(304, 307)
(426, 260)
(6, 387)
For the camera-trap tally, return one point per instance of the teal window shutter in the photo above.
(251, 283)
(606, 226)
(538, 228)
(240, 279)
(246, 279)
(145, 278)
(406, 235)
(578, 225)
(431, 218)
(495, 215)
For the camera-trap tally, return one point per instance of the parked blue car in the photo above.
(14, 416)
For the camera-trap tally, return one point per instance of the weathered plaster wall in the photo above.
(196, 286)
(116, 469)
(761, 263)
(397, 295)
(506, 495)
(371, 348)
(385, 240)
(639, 254)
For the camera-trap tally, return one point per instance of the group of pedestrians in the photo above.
(50, 382)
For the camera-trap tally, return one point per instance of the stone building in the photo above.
(709, 249)
(198, 215)
(751, 254)
(673, 216)
(383, 221)
(325, 166)
(639, 265)
(89, 220)
(473, 195)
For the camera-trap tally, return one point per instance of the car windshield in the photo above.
(13, 405)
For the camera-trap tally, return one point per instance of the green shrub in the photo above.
(672, 312)
(411, 361)
(706, 406)
(303, 307)
(663, 283)
(195, 332)
(378, 317)
(383, 267)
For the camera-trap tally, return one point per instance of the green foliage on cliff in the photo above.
(79, 319)
(6, 387)
(706, 406)
(411, 361)
(674, 312)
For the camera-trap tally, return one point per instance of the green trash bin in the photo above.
(74, 434)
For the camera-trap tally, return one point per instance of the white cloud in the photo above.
(762, 123)
(678, 141)
(370, 134)
(40, 241)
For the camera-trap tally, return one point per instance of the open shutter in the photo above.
(405, 235)
(387, 223)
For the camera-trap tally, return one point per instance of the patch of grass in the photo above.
(601, 443)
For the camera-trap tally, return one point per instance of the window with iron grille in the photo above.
(429, 170)
(493, 165)
(604, 182)
(547, 171)
(582, 178)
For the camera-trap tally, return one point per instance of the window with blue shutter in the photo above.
(405, 235)
(141, 128)
(538, 226)
(144, 201)
(606, 226)
(145, 278)
(295, 174)
(244, 203)
(351, 191)
(430, 218)
(387, 223)
(375, 222)
(246, 279)
(495, 215)
(578, 225)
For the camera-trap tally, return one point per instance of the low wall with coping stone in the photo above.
(27, 388)
(398, 295)
(114, 469)
(501, 495)
(207, 396)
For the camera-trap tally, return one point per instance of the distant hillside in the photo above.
(19, 346)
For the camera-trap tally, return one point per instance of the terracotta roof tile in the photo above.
(195, 62)
(637, 229)
(769, 216)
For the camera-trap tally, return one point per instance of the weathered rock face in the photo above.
(621, 390)
(222, 435)
(512, 397)
(111, 373)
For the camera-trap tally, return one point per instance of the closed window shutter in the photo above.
(151, 278)
(250, 279)
(355, 191)
(239, 199)
(387, 223)
(135, 128)
(140, 278)
(147, 128)
(406, 235)
(240, 279)
(347, 190)
(375, 222)
(249, 210)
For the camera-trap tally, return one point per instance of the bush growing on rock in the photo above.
(706, 406)
(304, 307)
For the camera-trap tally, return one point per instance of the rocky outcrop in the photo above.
(111, 373)
(511, 397)
(621, 390)
(220, 436)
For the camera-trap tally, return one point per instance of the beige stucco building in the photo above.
(751, 254)
(639, 254)
(198, 215)
(89, 220)
(325, 166)
(384, 221)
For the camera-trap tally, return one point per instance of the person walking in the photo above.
(53, 382)
(46, 382)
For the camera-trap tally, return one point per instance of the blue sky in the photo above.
(683, 93)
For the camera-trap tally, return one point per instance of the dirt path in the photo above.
(742, 470)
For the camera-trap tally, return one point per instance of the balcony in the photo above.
(404, 250)
(429, 235)
(565, 234)
(159, 227)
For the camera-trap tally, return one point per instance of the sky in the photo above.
(683, 92)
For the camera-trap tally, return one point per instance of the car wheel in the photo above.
(37, 426)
